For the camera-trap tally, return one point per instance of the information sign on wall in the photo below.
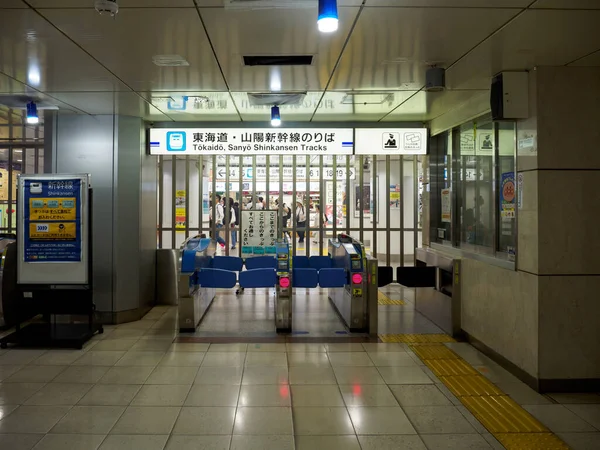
(507, 196)
(396, 141)
(52, 227)
(259, 232)
(446, 206)
(251, 141)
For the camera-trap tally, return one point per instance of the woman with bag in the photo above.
(300, 221)
(234, 220)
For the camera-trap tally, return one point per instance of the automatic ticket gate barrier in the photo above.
(357, 300)
(195, 293)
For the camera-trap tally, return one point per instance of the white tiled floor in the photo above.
(132, 388)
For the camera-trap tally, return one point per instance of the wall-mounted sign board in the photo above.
(251, 141)
(393, 141)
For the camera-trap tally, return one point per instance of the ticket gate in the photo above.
(202, 273)
(357, 300)
(194, 298)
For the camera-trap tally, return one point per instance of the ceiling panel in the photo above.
(34, 52)
(451, 3)
(12, 4)
(364, 105)
(425, 106)
(592, 60)
(11, 86)
(301, 112)
(89, 4)
(567, 4)
(194, 106)
(126, 46)
(124, 103)
(536, 38)
(275, 32)
(391, 48)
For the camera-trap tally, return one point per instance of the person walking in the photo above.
(300, 221)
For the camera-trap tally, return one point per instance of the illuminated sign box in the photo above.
(392, 141)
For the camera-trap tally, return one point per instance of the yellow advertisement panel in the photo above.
(53, 209)
(53, 231)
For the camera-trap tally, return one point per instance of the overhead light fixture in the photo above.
(275, 116)
(32, 114)
(328, 16)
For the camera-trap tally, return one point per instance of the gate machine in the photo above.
(202, 273)
(356, 302)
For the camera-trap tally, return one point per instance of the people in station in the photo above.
(234, 219)
(287, 215)
(219, 218)
(260, 204)
(317, 224)
(300, 221)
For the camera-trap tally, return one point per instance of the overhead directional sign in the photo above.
(396, 141)
(251, 141)
(314, 173)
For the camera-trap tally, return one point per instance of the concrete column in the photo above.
(124, 179)
(559, 160)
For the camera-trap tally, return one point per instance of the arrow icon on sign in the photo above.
(221, 173)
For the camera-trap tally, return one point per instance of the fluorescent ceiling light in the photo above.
(170, 61)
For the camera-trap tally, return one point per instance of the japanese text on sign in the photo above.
(259, 232)
(235, 141)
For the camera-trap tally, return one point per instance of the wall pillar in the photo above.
(124, 180)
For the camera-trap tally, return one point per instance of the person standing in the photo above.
(260, 204)
(287, 215)
(318, 225)
(235, 221)
(219, 217)
(300, 221)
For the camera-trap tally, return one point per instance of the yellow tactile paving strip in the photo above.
(416, 338)
(514, 427)
(435, 351)
(467, 386)
(383, 299)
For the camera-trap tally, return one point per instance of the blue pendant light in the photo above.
(32, 114)
(328, 16)
(275, 117)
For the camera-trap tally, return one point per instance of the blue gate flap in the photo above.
(300, 262)
(305, 278)
(261, 262)
(258, 278)
(332, 278)
(320, 262)
(217, 278)
(232, 263)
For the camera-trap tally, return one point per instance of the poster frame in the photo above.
(60, 272)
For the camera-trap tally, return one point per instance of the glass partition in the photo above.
(474, 190)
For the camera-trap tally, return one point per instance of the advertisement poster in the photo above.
(395, 196)
(180, 210)
(52, 225)
(507, 196)
(446, 205)
(259, 232)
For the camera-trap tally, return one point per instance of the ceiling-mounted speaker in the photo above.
(435, 79)
(509, 96)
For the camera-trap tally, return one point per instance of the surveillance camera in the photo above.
(107, 7)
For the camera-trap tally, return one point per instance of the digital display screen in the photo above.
(282, 265)
(356, 265)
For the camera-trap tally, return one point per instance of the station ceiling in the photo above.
(64, 54)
